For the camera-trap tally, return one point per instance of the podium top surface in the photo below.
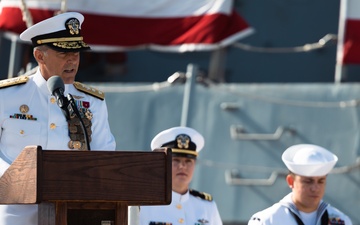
(134, 177)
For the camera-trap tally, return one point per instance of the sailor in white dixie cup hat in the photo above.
(308, 167)
(309, 160)
(30, 114)
(188, 207)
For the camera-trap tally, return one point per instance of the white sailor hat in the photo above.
(184, 141)
(61, 32)
(309, 160)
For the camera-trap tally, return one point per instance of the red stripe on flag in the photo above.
(130, 32)
(351, 50)
(16, 24)
(171, 31)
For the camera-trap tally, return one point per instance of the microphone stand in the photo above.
(63, 103)
(73, 108)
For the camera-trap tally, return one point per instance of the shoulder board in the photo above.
(13, 81)
(89, 90)
(201, 195)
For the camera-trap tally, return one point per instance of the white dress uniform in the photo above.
(184, 209)
(29, 115)
(283, 213)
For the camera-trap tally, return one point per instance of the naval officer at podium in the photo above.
(31, 115)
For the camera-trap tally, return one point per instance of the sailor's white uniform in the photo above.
(282, 213)
(306, 160)
(184, 210)
(42, 123)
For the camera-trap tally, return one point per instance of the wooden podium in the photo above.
(87, 187)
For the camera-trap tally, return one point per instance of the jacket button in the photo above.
(52, 126)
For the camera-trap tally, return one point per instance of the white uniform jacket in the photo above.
(184, 210)
(282, 213)
(40, 121)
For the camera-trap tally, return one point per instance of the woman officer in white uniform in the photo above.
(188, 207)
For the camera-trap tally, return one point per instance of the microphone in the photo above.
(68, 106)
(56, 87)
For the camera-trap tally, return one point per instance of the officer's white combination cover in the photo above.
(309, 160)
(171, 135)
(50, 25)
(61, 32)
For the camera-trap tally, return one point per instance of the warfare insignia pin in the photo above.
(77, 97)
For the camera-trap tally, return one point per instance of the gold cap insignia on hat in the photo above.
(72, 25)
(183, 141)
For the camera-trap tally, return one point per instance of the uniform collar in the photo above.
(176, 197)
(288, 203)
(41, 82)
